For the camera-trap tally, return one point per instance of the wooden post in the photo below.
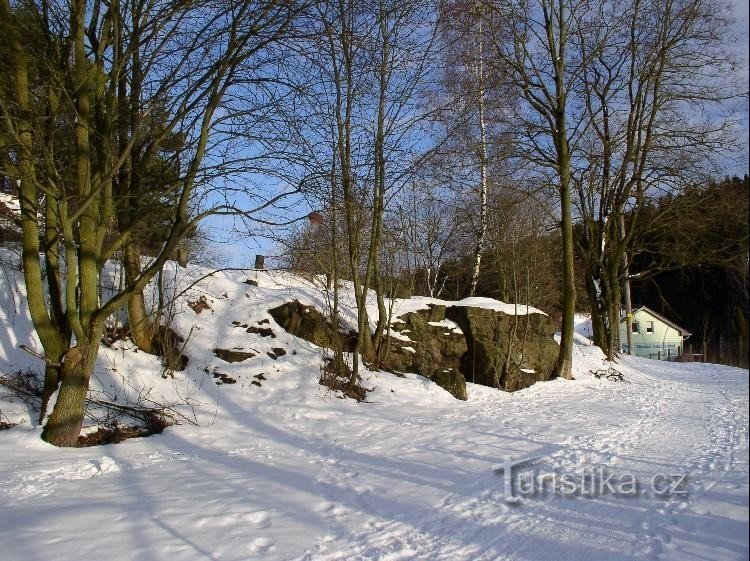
(259, 262)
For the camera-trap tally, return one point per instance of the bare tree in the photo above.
(194, 62)
(653, 76)
(522, 242)
(533, 41)
(481, 110)
(427, 223)
(370, 64)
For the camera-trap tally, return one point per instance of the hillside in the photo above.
(265, 463)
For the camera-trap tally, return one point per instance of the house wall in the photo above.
(665, 342)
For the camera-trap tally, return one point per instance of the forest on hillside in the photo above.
(693, 267)
(557, 152)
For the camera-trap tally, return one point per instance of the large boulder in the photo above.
(424, 343)
(309, 324)
(421, 346)
(505, 351)
(489, 347)
(451, 381)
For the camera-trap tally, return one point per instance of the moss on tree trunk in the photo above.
(64, 424)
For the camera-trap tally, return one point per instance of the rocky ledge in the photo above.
(450, 344)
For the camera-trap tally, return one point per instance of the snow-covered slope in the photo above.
(287, 470)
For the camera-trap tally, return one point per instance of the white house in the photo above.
(653, 335)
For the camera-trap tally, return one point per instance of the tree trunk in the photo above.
(53, 338)
(383, 316)
(626, 286)
(64, 424)
(598, 328)
(483, 206)
(564, 366)
(139, 321)
(52, 376)
(82, 295)
(613, 310)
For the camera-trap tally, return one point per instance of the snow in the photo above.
(405, 306)
(287, 471)
(450, 325)
(10, 213)
(10, 202)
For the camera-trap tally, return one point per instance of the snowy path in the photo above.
(304, 476)
(670, 425)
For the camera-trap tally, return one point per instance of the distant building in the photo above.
(653, 335)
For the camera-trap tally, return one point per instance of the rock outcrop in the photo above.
(449, 344)
(510, 352)
(421, 344)
(233, 355)
(309, 324)
(451, 381)
(491, 348)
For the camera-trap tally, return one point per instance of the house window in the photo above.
(635, 327)
(650, 327)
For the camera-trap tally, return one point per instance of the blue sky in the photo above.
(238, 249)
(740, 9)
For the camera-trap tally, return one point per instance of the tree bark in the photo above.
(64, 424)
(53, 339)
(626, 284)
(564, 365)
(483, 206)
(139, 321)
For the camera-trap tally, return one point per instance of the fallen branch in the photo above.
(609, 374)
(145, 414)
(31, 394)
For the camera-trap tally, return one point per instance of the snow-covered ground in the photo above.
(287, 470)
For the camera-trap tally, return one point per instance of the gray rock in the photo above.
(309, 324)
(435, 347)
(505, 351)
(451, 381)
(495, 349)
(233, 355)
